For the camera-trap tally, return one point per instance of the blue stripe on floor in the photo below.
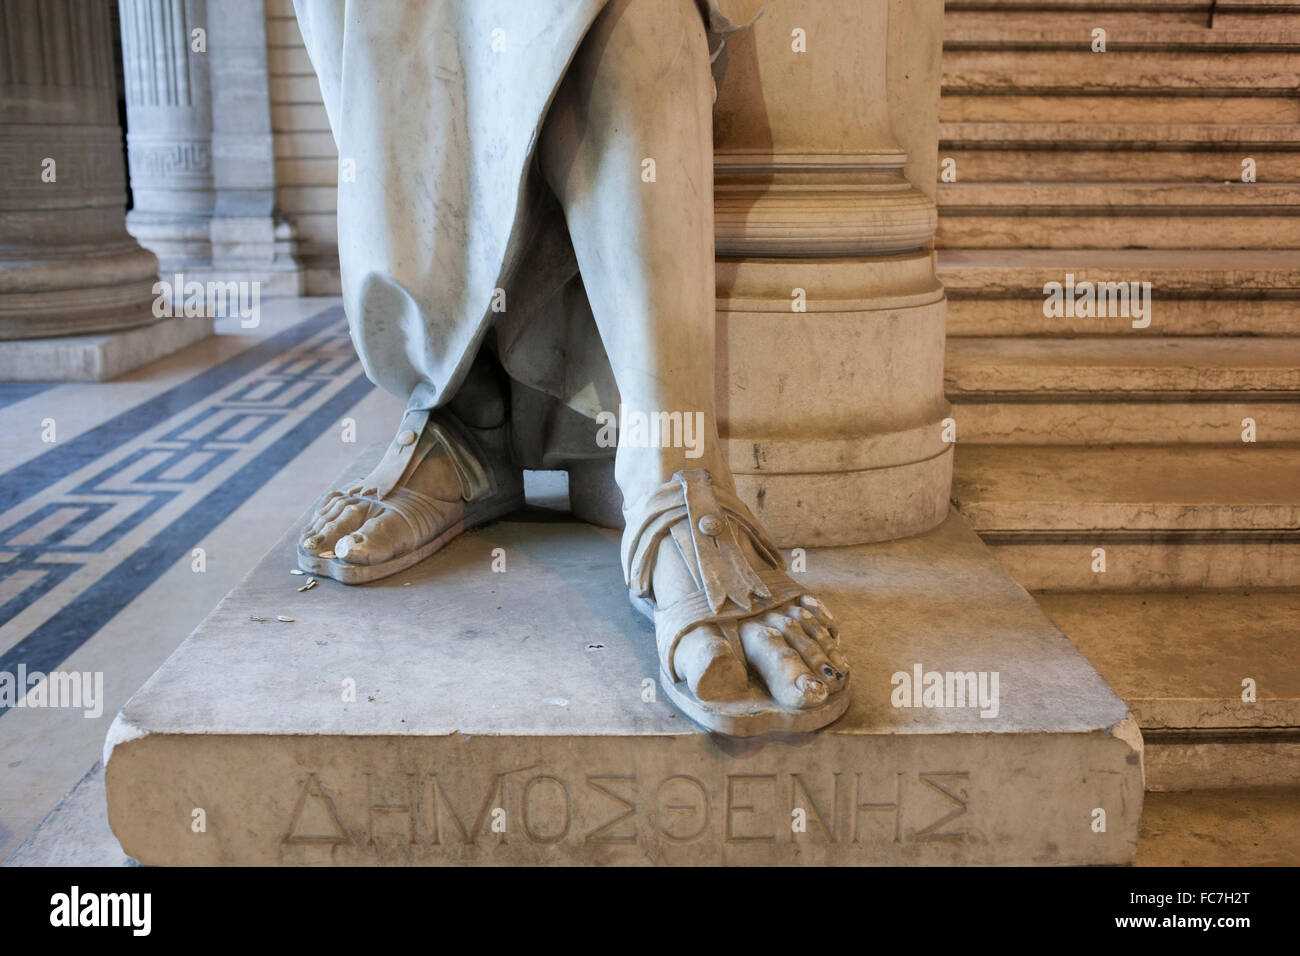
(50, 644)
(32, 477)
(11, 392)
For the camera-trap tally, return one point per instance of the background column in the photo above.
(830, 315)
(169, 131)
(248, 242)
(67, 264)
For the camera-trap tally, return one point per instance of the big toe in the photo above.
(709, 666)
(379, 539)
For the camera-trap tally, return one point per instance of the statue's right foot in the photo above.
(743, 648)
(436, 480)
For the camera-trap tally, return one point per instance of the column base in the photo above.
(254, 249)
(98, 357)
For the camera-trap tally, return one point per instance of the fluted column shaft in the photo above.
(67, 264)
(169, 129)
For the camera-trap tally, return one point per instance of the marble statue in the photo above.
(526, 241)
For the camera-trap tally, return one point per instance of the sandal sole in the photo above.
(346, 573)
(752, 715)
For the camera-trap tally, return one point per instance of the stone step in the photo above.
(1121, 16)
(1120, 137)
(1181, 660)
(1148, 68)
(984, 369)
(1120, 215)
(1234, 826)
(1076, 37)
(1052, 107)
(1265, 199)
(1101, 164)
(1135, 517)
(1196, 291)
(1201, 79)
(1056, 391)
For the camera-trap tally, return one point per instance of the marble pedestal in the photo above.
(513, 717)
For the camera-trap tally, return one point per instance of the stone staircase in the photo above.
(1103, 456)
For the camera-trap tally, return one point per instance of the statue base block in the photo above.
(99, 356)
(499, 704)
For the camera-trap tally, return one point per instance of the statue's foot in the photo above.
(436, 480)
(743, 651)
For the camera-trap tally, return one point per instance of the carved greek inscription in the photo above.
(496, 797)
(315, 820)
(682, 803)
(410, 809)
(896, 808)
(602, 833)
(537, 836)
(737, 781)
(801, 796)
(931, 832)
(413, 809)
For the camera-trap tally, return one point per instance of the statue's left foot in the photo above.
(743, 651)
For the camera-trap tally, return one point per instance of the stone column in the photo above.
(67, 264)
(247, 240)
(169, 130)
(830, 315)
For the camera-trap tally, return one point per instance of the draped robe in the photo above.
(447, 230)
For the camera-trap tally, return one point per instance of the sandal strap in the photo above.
(694, 609)
(423, 514)
(704, 521)
(420, 432)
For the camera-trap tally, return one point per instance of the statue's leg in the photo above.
(627, 147)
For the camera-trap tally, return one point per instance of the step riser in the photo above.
(1126, 137)
(1030, 108)
(1168, 230)
(1107, 423)
(1255, 21)
(1212, 766)
(1108, 166)
(1014, 317)
(1149, 566)
(963, 23)
(1072, 65)
(986, 376)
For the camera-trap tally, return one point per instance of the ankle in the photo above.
(640, 475)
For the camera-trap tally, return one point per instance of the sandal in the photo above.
(703, 521)
(486, 494)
